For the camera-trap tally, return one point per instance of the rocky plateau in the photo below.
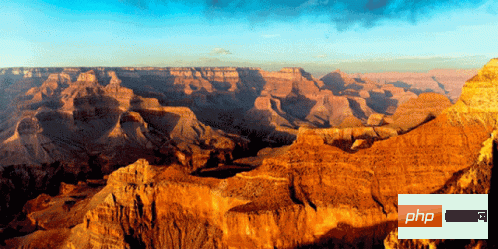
(235, 157)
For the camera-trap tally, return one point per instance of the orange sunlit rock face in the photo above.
(111, 159)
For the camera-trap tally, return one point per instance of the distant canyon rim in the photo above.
(229, 157)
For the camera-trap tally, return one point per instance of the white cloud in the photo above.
(320, 56)
(219, 51)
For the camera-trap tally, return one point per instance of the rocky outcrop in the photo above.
(92, 129)
(475, 106)
(338, 82)
(345, 138)
(102, 124)
(478, 101)
(292, 98)
(417, 111)
(170, 209)
(376, 119)
(146, 206)
(381, 98)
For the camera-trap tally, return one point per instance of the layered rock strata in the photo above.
(89, 128)
(303, 195)
(230, 98)
(417, 111)
(313, 193)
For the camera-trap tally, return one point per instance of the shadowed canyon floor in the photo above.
(134, 158)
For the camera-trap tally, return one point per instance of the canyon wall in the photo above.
(334, 185)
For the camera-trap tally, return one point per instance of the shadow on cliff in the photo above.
(222, 172)
(347, 236)
(334, 82)
(356, 107)
(225, 108)
(400, 84)
(298, 105)
(22, 185)
(267, 137)
(157, 120)
(84, 125)
(161, 86)
(382, 103)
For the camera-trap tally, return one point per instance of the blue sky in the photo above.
(318, 35)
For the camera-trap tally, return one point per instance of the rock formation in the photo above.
(289, 102)
(332, 187)
(92, 129)
(443, 81)
(381, 98)
(417, 111)
(376, 119)
(478, 102)
(84, 120)
(228, 98)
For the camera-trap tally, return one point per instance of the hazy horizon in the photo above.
(315, 74)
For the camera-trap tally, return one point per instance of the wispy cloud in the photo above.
(219, 51)
(320, 56)
(344, 14)
(271, 36)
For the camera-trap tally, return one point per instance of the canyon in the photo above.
(443, 81)
(236, 157)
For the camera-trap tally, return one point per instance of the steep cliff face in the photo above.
(92, 129)
(85, 121)
(141, 210)
(478, 102)
(151, 207)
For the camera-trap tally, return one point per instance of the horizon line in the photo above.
(249, 67)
